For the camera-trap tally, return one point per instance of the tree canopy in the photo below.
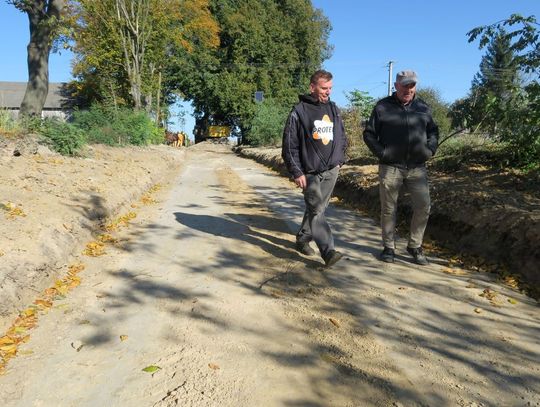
(271, 46)
(124, 47)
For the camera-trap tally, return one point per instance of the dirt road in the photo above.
(206, 287)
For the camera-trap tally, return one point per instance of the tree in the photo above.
(126, 46)
(439, 108)
(496, 84)
(524, 39)
(271, 46)
(268, 122)
(517, 122)
(45, 18)
(363, 103)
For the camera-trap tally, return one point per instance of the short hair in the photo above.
(321, 73)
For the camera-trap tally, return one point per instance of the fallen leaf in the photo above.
(43, 303)
(9, 350)
(6, 340)
(151, 369)
(335, 322)
(213, 366)
(478, 310)
(512, 301)
(123, 337)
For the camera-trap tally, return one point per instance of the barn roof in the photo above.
(12, 93)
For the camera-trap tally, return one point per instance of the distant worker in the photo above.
(313, 149)
(402, 134)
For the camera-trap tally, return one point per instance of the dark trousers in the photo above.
(316, 196)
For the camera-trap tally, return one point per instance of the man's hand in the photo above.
(301, 182)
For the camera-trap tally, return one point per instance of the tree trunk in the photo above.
(42, 18)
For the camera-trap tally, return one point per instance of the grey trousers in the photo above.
(316, 196)
(391, 179)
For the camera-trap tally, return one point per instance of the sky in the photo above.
(428, 36)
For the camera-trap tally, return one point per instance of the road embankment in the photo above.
(491, 227)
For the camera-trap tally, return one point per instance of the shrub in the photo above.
(268, 123)
(64, 137)
(107, 125)
(8, 124)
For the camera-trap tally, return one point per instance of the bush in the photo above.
(64, 137)
(268, 123)
(8, 124)
(107, 125)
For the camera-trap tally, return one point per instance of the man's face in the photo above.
(405, 93)
(321, 90)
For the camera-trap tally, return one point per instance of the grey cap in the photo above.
(406, 77)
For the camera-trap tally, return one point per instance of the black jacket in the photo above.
(402, 136)
(299, 149)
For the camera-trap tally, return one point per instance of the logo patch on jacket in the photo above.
(323, 130)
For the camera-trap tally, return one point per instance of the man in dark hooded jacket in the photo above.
(313, 149)
(402, 134)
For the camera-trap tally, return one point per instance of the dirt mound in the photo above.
(51, 206)
(491, 216)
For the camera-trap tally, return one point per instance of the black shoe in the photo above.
(419, 257)
(388, 255)
(305, 248)
(332, 257)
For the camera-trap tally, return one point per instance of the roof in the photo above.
(12, 94)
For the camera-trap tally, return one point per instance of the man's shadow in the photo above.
(249, 229)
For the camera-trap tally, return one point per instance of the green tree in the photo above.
(268, 122)
(124, 47)
(45, 18)
(515, 115)
(362, 101)
(271, 46)
(354, 116)
(495, 85)
(439, 108)
(521, 31)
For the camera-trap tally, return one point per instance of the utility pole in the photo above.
(390, 77)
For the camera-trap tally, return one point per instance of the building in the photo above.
(56, 104)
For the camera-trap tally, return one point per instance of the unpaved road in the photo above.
(206, 285)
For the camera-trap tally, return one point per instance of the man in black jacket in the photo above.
(402, 134)
(313, 149)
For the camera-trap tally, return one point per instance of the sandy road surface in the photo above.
(206, 286)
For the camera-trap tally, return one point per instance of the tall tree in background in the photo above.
(125, 46)
(496, 84)
(519, 124)
(45, 18)
(271, 46)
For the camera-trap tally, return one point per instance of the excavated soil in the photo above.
(51, 206)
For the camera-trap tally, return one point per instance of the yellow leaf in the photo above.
(478, 310)
(213, 366)
(9, 350)
(512, 301)
(29, 312)
(123, 337)
(151, 369)
(6, 340)
(43, 303)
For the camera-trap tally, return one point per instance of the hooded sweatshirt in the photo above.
(314, 138)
